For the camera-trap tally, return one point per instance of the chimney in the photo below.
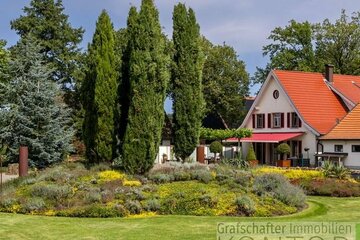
(329, 71)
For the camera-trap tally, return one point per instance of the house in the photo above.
(305, 110)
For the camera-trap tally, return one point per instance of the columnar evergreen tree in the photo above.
(99, 92)
(186, 81)
(148, 75)
(33, 112)
(46, 21)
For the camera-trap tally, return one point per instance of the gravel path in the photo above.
(6, 177)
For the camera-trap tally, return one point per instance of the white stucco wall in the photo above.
(268, 104)
(353, 158)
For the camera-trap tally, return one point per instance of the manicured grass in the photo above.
(14, 226)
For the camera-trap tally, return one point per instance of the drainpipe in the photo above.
(317, 150)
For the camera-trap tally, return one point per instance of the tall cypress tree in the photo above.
(186, 81)
(34, 114)
(99, 92)
(123, 48)
(148, 76)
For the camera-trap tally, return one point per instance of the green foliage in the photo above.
(4, 61)
(216, 147)
(335, 171)
(251, 154)
(245, 205)
(225, 82)
(283, 148)
(229, 193)
(148, 76)
(331, 187)
(236, 162)
(186, 84)
(221, 134)
(99, 92)
(35, 114)
(277, 186)
(339, 43)
(305, 46)
(46, 21)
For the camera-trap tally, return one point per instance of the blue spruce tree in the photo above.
(33, 112)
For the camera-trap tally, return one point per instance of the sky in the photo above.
(242, 24)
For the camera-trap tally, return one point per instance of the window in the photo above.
(338, 148)
(295, 121)
(276, 94)
(260, 120)
(276, 120)
(355, 148)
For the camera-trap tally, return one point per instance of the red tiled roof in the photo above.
(348, 128)
(270, 137)
(349, 86)
(316, 103)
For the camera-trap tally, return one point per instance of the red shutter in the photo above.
(282, 120)
(253, 121)
(264, 120)
(269, 120)
(300, 123)
(288, 119)
(300, 148)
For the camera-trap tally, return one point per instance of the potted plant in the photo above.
(251, 157)
(283, 149)
(216, 147)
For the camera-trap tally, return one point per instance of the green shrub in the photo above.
(51, 191)
(182, 176)
(152, 205)
(245, 205)
(201, 175)
(92, 196)
(34, 204)
(331, 187)
(290, 195)
(216, 147)
(279, 187)
(268, 183)
(100, 167)
(236, 162)
(134, 207)
(335, 171)
(283, 149)
(251, 154)
(161, 178)
(94, 211)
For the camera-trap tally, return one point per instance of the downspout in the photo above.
(317, 150)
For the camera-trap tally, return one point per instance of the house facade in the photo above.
(301, 108)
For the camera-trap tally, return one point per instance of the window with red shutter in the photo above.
(263, 121)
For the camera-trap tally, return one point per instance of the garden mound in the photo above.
(72, 190)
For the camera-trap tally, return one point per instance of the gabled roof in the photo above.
(348, 128)
(348, 86)
(317, 104)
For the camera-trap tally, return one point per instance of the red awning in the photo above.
(271, 137)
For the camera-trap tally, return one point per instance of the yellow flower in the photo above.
(133, 183)
(110, 175)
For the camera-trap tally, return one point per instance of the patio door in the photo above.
(260, 150)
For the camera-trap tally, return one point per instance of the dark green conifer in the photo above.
(148, 76)
(99, 93)
(186, 81)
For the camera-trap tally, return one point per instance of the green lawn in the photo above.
(161, 227)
